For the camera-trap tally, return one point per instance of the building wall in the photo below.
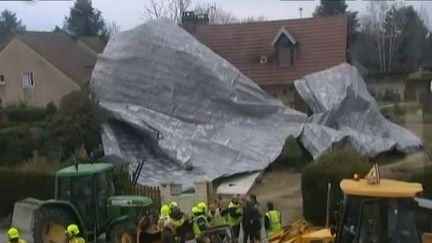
(50, 83)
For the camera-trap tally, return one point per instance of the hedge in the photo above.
(424, 177)
(16, 185)
(26, 114)
(331, 167)
(19, 142)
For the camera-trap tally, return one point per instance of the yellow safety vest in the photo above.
(275, 219)
(77, 240)
(231, 220)
(217, 219)
(177, 223)
(196, 230)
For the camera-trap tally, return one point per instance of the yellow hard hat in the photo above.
(165, 210)
(202, 206)
(72, 229)
(13, 233)
(173, 204)
(196, 210)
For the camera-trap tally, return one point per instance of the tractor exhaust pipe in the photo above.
(328, 205)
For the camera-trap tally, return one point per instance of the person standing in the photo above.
(235, 216)
(72, 233)
(251, 222)
(272, 220)
(254, 201)
(164, 215)
(177, 219)
(199, 223)
(215, 216)
(167, 235)
(13, 236)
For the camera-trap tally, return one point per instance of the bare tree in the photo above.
(373, 25)
(394, 22)
(216, 15)
(171, 9)
(254, 19)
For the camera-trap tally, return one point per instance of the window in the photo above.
(2, 79)
(28, 80)
(284, 56)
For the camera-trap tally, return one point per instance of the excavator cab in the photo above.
(376, 210)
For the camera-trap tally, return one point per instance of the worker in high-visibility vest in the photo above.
(215, 216)
(164, 216)
(235, 216)
(13, 236)
(199, 223)
(72, 232)
(177, 219)
(272, 220)
(203, 207)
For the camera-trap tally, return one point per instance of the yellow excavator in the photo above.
(374, 210)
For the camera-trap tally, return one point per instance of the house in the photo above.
(275, 53)
(40, 67)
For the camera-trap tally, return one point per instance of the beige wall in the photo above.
(283, 92)
(50, 83)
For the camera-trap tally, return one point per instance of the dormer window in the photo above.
(285, 47)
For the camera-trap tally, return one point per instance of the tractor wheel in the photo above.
(123, 232)
(50, 225)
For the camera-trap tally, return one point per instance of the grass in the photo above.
(420, 75)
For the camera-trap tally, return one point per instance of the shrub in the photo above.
(16, 185)
(51, 108)
(331, 167)
(18, 143)
(424, 177)
(292, 154)
(27, 114)
(76, 122)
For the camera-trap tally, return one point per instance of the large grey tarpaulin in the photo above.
(187, 112)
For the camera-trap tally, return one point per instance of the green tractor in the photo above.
(85, 195)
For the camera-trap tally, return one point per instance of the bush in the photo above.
(51, 108)
(76, 122)
(28, 114)
(16, 185)
(424, 177)
(331, 167)
(18, 143)
(292, 154)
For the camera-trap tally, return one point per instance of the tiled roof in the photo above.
(63, 52)
(94, 43)
(321, 44)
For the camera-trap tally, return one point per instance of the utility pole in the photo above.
(301, 10)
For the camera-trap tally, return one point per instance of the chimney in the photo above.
(190, 20)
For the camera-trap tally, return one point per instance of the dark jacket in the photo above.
(167, 236)
(232, 212)
(251, 218)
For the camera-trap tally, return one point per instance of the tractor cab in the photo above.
(85, 195)
(376, 210)
(88, 187)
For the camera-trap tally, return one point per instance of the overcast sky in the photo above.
(45, 15)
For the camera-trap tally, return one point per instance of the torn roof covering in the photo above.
(188, 113)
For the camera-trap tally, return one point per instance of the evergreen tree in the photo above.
(84, 20)
(9, 24)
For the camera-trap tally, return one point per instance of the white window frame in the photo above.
(28, 80)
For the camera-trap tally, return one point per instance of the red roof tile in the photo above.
(322, 44)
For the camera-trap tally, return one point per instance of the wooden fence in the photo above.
(152, 192)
